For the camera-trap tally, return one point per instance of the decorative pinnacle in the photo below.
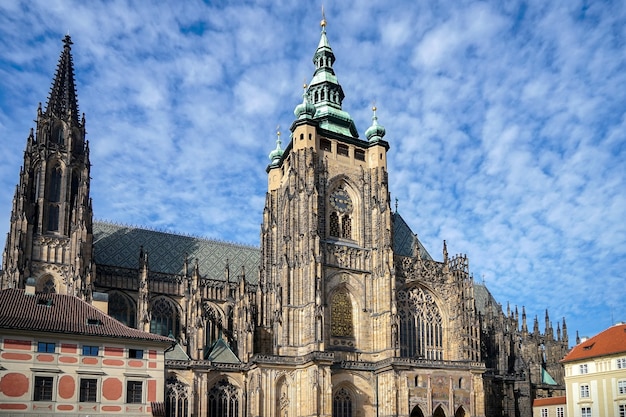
(323, 22)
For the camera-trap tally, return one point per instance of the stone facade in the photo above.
(342, 312)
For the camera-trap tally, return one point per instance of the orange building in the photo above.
(60, 354)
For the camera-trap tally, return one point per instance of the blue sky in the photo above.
(506, 120)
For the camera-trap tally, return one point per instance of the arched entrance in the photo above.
(417, 412)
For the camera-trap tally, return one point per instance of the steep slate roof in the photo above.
(609, 342)
(404, 239)
(116, 245)
(59, 313)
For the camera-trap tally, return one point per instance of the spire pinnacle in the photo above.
(323, 22)
(277, 153)
(62, 101)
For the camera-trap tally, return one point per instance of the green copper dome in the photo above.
(375, 132)
(277, 153)
(305, 110)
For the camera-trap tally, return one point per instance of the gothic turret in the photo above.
(50, 238)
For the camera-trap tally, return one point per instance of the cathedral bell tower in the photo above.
(327, 278)
(49, 244)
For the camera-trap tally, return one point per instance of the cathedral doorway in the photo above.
(460, 412)
(417, 412)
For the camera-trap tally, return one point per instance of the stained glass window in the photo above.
(421, 325)
(341, 315)
(223, 400)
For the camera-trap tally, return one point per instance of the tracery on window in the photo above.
(122, 308)
(343, 403)
(223, 400)
(213, 324)
(176, 398)
(57, 135)
(335, 230)
(421, 325)
(49, 286)
(346, 227)
(341, 324)
(164, 318)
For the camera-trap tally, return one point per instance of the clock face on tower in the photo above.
(340, 200)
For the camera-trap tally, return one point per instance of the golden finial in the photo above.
(278, 131)
(304, 86)
(323, 22)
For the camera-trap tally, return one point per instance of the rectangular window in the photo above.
(90, 350)
(88, 390)
(325, 145)
(622, 410)
(585, 412)
(342, 149)
(621, 363)
(43, 388)
(584, 391)
(45, 347)
(621, 387)
(583, 369)
(359, 154)
(560, 412)
(135, 353)
(544, 412)
(133, 392)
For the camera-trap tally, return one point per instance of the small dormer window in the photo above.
(94, 322)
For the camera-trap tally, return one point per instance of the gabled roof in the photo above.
(609, 342)
(222, 353)
(119, 246)
(59, 313)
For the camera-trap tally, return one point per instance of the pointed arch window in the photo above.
(57, 135)
(54, 197)
(176, 398)
(49, 286)
(164, 318)
(223, 400)
(122, 308)
(421, 325)
(335, 230)
(343, 403)
(213, 324)
(341, 324)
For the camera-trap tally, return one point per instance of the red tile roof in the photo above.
(609, 342)
(538, 402)
(58, 313)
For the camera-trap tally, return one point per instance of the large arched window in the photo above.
(122, 308)
(176, 398)
(343, 404)
(213, 324)
(421, 325)
(48, 285)
(223, 400)
(57, 135)
(341, 324)
(54, 197)
(164, 318)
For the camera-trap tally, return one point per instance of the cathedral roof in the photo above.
(404, 240)
(220, 352)
(60, 313)
(609, 342)
(119, 246)
(62, 100)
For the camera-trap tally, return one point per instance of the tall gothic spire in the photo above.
(62, 101)
(325, 92)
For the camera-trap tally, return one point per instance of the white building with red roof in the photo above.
(595, 375)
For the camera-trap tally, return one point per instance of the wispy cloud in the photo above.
(506, 122)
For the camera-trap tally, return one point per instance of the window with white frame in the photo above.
(583, 369)
(560, 412)
(622, 410)
(621, 386)
(544, 412)
(584, 391)
(585, 412)
(621, 363)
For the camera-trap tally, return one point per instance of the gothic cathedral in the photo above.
(342, 312)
